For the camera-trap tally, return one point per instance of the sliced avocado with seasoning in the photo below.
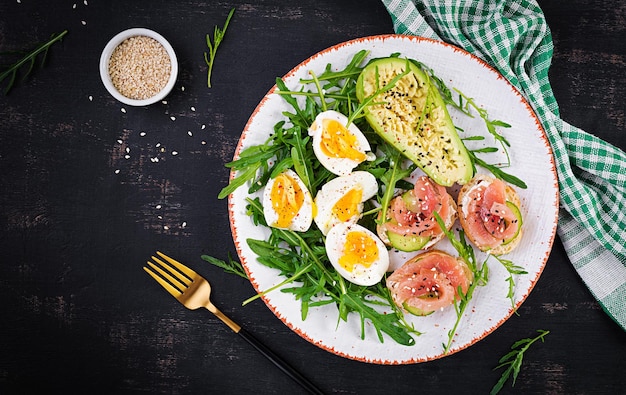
(518, 216)
(413, 117)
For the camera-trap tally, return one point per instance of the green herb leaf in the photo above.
(230, 266)
(513, 360)
(29, 58)
(218, 36)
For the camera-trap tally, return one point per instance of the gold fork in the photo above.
(194, 292)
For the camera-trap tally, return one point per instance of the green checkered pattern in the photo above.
(513, 37)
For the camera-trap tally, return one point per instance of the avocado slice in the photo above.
(413, 117)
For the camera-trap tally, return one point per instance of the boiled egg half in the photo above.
(357, 254)
(341, 199)
(287, 203)
(338, 146)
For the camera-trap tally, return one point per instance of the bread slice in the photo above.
(504, 247)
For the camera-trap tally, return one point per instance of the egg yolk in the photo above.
(359, 248)
(287, 198)
(338, 142)
(348, 206)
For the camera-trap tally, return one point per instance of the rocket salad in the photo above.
(301, 257)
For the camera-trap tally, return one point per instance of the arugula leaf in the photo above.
(513, 269)
(480, 273)
(29, 59)
(513, 360)
(230, 266)
(218, 36)
(382, 322)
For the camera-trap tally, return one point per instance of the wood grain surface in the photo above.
(90, 188)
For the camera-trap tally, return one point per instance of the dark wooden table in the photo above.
(83, 205)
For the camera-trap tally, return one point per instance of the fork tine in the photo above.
(188, 272)
(168, 287)
(177, 280)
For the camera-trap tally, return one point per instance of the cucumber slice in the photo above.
(416, 311)
(518, 215)
(407, 243)
(412, 117)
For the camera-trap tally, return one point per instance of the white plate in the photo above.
(531, 159)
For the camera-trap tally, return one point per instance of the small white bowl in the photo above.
(117, 40)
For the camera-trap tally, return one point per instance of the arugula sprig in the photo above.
(480, 274)
(29, 58)
(218, 36)
(513, 269)
(229, 266)
(513, 360)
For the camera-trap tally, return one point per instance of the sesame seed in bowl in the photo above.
(138, 67)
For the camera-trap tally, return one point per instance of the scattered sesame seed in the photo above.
(174, 153)
(157, 145)
(182, 88)
(189, 133)
(164, 101)
(142, 134)
(203, 126)
(158, 206)
(123, 110)
(73, 6)
(193, 108)
(119, 141)
(126, 156)
(83, 22)
(90, 98)
(203, 142)
(127, 150)
(173, 118)
(85, 2)
(117, 171)
(184, 224)
(166, 227)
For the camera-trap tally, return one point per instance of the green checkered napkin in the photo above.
(513, 36)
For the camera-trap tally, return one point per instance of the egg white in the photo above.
(360, 275)
(334, 190)
(303, 219)
(338, 166)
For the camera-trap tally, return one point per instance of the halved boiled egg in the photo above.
(357, 254)
(338, 146)
(341, 199)
(287, 203)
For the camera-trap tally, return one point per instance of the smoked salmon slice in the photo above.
(429, 282)
(410, 216)
(489, 214)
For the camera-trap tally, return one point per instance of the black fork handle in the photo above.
(280, 363)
